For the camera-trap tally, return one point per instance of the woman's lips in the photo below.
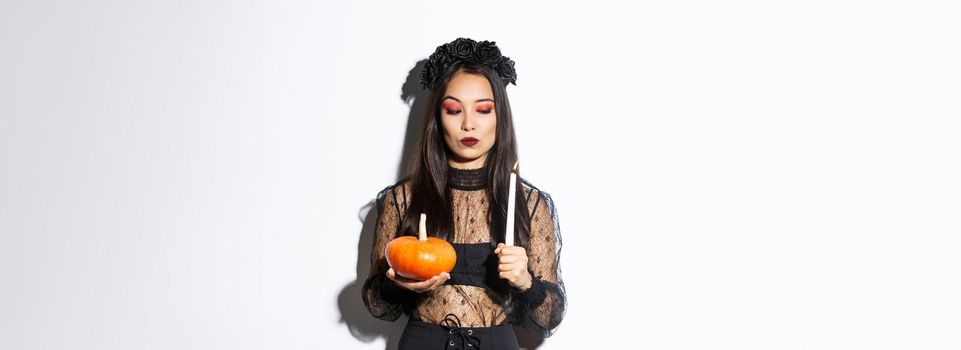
(468, 141)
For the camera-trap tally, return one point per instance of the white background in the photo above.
(729, 175)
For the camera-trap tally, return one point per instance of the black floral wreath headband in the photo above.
(466, 50)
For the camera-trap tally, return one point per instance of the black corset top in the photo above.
(476, 265)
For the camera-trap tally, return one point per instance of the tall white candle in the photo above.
(511, 188)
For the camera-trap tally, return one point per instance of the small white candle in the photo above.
(512, 187)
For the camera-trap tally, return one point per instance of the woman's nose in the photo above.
(468, 123)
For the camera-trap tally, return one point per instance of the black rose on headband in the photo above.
(463, 48)
(506, 68)
(466, 50)
(488, 53)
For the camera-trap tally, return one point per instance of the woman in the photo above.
(460, 180)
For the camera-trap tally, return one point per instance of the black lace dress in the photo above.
(472, 296)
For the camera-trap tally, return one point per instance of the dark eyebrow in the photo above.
(458, 101)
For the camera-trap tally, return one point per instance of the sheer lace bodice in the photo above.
(539, 308)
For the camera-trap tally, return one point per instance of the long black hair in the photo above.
(429, 191)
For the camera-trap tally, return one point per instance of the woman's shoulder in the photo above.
(536, 197)
(399, 192)
(528, 187)
(401, 185)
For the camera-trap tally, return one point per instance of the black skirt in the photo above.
(421, 335)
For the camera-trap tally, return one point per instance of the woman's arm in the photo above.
(541, 307)
(384, 298)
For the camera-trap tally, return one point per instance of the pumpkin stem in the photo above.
(422, 234)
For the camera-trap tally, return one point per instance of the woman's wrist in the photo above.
(524, 286)
(533, 295)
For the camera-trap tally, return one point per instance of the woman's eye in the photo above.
(453, 111)
(484, 111)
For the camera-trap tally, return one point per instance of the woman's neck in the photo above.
(467, 179)
(467, 164)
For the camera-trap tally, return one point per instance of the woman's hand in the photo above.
(512, 265)
(418, 286)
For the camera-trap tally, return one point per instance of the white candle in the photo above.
(512, 187)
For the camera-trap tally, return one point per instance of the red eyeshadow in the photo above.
(451, 105)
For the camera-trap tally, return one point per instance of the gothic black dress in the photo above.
(474, 308)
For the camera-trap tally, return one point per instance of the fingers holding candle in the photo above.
(512, 266)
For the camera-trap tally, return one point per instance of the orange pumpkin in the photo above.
(420, 258)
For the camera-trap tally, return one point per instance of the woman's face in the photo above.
(469, 120)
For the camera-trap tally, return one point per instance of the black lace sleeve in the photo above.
(384, 298)
(541, 308)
